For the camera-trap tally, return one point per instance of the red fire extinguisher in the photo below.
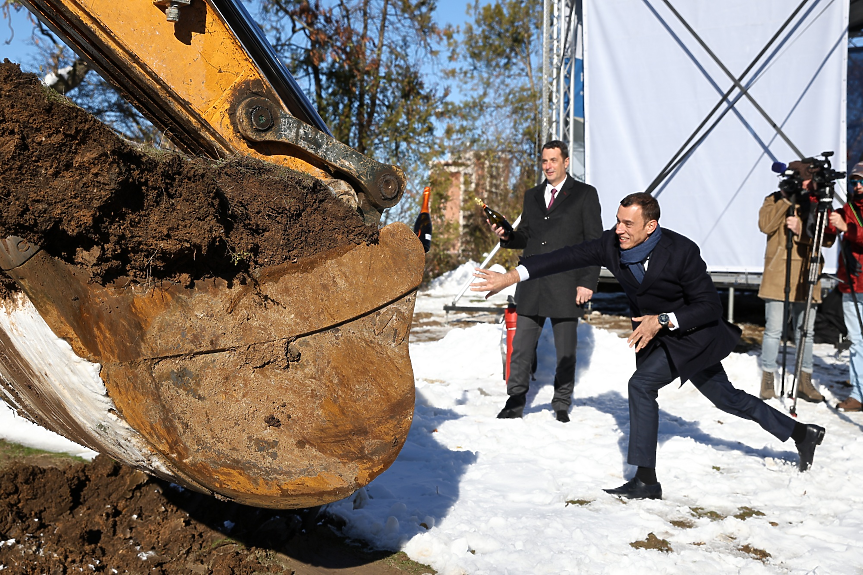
(509, 317)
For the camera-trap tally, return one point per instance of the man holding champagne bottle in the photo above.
(559, 212)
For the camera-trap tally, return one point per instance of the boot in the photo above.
(514, 407)
(807, 391)
(849, 404)
(767, 391)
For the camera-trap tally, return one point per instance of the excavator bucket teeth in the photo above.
(290, 391)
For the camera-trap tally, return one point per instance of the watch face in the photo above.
(663, 319)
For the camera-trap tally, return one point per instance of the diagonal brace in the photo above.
(684, 151)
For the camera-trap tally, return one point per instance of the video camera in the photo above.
(819, 170)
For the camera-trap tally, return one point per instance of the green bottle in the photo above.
(494, 217)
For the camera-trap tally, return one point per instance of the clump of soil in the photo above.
(653, 542)
(103, 517)
(755, 552)
(71, 185)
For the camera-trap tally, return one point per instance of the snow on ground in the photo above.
(16, 429)
(473, 494)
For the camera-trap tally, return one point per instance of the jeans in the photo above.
(773, 333)
(853, 326)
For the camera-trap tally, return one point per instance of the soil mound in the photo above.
(103, 517)
(71, 185)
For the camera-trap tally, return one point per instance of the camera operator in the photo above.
(848, 221)
(777, 219)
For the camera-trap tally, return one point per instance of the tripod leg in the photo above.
(784, 336)
(786, 308)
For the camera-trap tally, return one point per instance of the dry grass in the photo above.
(700, 512)
(759, 554)
(745, 513)
(653, 542)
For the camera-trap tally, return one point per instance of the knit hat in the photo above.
(857, 170)
(804, 169)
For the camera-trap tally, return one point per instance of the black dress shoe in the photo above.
(635, 488)
(806, 448)
(561, 415)
(514, 407)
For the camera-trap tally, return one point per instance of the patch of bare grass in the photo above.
(700, 512)
(755, 552)
(745, 513)
(653, 542)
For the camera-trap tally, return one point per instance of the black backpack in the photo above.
(830, 321)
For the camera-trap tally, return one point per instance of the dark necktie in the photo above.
(551, 201)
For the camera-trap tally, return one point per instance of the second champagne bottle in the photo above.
(423, 223)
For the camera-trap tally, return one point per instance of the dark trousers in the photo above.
(527, 331)
(654, 371)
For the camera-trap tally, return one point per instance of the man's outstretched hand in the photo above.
(493, 282)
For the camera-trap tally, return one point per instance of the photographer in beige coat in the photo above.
(775, 221)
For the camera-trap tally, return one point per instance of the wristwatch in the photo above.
(664, 319)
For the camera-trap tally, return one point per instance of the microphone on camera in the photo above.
(778, 167)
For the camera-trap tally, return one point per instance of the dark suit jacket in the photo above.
(573, 218)
(676, 281)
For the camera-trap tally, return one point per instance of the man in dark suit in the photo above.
(678, 330)
(559, 212)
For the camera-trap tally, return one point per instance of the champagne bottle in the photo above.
(423, 224)
(494, 217)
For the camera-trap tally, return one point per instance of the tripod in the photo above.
(823, 176)
(825, 201)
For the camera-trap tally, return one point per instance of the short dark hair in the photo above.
(551, 144)
(649, 205)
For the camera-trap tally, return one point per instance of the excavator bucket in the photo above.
(290, 393)
(290, 390)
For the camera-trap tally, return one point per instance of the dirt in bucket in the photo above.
(71, 185)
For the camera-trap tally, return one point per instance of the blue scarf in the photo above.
(634, 258)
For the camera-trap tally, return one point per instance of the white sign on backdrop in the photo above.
(649, 84)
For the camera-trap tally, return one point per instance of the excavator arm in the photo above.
(181, 381)
(208, 79)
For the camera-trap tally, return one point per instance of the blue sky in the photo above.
(22, 51)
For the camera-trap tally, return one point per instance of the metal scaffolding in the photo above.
(562, 79)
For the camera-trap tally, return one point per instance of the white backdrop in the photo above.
(649, 84)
